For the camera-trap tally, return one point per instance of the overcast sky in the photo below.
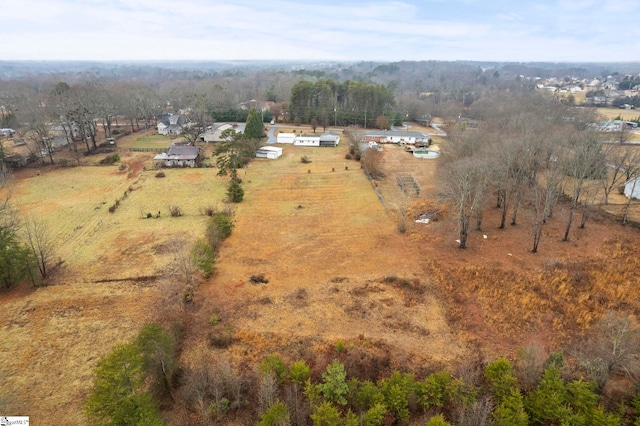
(491, 30)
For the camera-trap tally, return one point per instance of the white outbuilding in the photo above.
(286, 138)
(271, 152)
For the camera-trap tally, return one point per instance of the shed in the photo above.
(271, 152)
(286, 138)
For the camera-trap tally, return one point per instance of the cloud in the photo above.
(349, 29)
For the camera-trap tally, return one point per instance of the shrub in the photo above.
(258, 279)
(175, 211)
(348, 156)
(208, 211)
(203, 257)
(219, 228)
(274, 366)
(115, 205)
(110, 159)
(220, 339)
(305, 160)
(299, 372)
(160, 175)
(213, 320)
(437, 421)
(276, 414)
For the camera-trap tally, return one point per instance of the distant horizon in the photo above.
(317, 61)
(543, 31)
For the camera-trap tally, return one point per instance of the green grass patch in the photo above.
(151, 141)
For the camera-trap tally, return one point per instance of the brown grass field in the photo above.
(338, 270)
(611, 113)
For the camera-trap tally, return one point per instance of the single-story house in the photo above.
(172, 124)
(307, 140)
(329, 139)
(179, 156)
(286, 138)
(396, 136)
(214, 133)
(271, 152)
(632, 188)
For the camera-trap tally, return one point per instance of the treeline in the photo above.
(528, 153)
(26, 248)
(346, 103)
(137, 381)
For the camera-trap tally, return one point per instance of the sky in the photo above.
(343, 30)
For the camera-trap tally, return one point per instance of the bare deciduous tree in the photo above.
(371, 161)
(543, 193)
(622, 163)
(38, 236)
(465, 186)
(584, 162)
(613, 348)
(183, 261)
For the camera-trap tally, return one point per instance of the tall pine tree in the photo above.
(254, 128)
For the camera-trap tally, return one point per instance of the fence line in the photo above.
(147, 149)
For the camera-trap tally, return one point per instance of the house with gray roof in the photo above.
(179, 156)
(172, 124)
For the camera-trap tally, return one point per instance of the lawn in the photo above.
(149, 139)
(611, 113)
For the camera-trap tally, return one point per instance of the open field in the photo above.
(611, 113)
(338, 271)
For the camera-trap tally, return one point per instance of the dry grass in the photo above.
(611, 113)
(325, 243)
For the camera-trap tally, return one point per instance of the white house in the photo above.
(632, 188)
(286, 138)
(271, 152)
(307, 140)
(172, 124)
(179, 156)
(396, 136)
